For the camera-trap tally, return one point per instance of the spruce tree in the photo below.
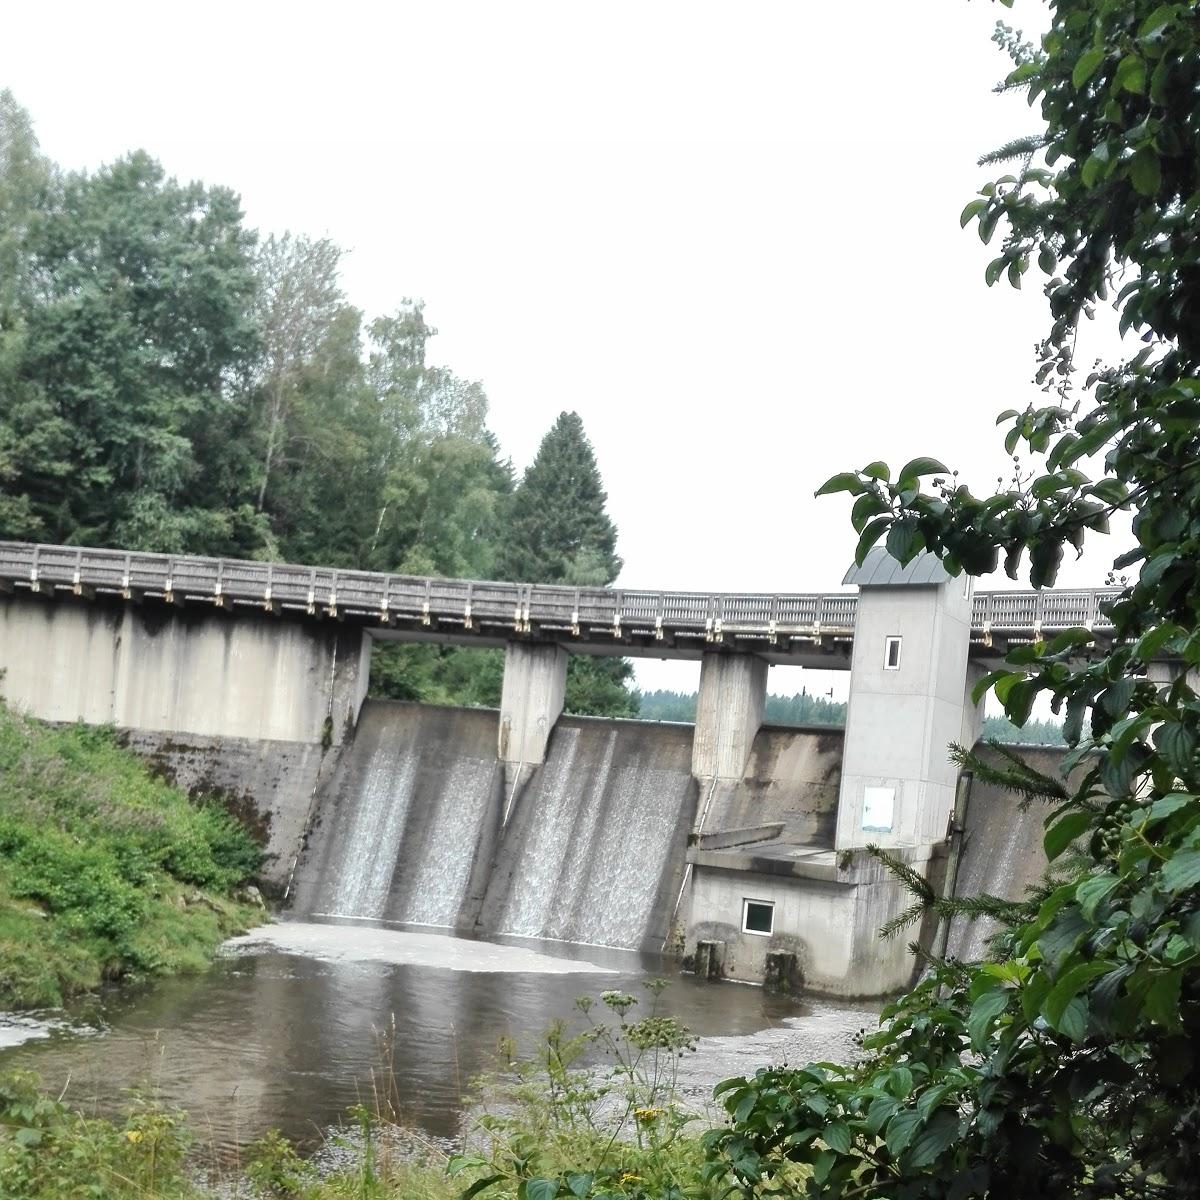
(558, 529)
(559, 532)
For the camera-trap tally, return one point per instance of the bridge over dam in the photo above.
(739, 844)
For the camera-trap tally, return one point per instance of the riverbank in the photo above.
(106, 872)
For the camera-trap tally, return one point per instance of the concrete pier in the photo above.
(729, 714)
(531, 701)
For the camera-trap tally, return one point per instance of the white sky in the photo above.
(726, 234)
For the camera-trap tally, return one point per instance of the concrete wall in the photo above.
(268, 785)
(827, 913)
(791, 779)
(160, 669)
(1002, 851)
(900, 722)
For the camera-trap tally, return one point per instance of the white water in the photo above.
(441, 874)
(535, 881)
(409, 829)
(371, 944)
(367, 862)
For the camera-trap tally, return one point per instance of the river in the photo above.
(297, 1021)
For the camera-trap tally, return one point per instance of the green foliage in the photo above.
(800, 709)
(1067, 1066)
(557, 528)
(562, 1125)
(600, 687)
(169, 382)
(100, 865)
(139, 322)
(49, 1152)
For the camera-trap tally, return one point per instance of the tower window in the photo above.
(891, 654)
(758, 916)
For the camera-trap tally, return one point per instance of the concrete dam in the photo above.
(741, 846)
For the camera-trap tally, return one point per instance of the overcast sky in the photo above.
(726, 234)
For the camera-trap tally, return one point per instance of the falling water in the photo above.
(594, 851)
(409, 828)
(366, 859)
(401, 824)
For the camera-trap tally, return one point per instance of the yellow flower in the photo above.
(133, 1135)
(645, 1115)
(630, 1177)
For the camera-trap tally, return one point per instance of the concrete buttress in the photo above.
(729, 713)
(531, 701)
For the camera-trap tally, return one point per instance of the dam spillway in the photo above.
(401, 828)
(417, 825)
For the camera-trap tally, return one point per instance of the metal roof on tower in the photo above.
(880, 569)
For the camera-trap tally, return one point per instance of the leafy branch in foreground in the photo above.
(1068, 1067)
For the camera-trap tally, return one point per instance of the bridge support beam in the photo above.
(910, 684)
(531, 701)
(729, 714)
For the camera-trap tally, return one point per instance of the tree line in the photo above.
(806, 709)
(171, 380)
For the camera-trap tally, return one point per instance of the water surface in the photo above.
(294, 1024)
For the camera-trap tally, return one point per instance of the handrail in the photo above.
(521, 606)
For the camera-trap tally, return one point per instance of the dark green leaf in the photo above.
(1146, 172)
(580, 1183)
(1068, 986)
(1158, 20)
(880, 1112)
(1063, 935)
(1086, 65)
(917, 467)
(480, 1185)
(983, 1012)
(1093, 891)
(1074, 1020)
(971, 211)
(941, 1132)
(1177, 744)
(868, 505)
(1161, 999)
(837, 1137)
(901, 1129)
(1182, 871)
(903, 541)
(1131, 74)
(870, 535)
(844, 481)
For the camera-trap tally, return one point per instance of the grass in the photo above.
(106, 872)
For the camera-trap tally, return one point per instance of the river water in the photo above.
(297, 1021)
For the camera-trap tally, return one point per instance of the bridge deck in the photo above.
(783, 627)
